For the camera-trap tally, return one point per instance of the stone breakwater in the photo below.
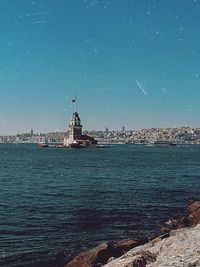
(179, 246)
(180, 249)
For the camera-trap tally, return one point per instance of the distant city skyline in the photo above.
(131, 63)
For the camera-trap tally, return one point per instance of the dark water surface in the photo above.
(56, 201)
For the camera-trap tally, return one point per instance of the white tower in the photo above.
(75, 127)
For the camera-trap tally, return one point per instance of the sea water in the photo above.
(54, 201)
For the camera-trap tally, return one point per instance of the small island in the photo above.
(75, 138)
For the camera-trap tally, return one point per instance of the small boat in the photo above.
(162, 143)
(42, 144)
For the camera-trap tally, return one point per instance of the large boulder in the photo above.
(100, 255)
(194, 210)
(94, 257)
(123, 246)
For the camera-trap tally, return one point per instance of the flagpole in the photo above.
(76, 103)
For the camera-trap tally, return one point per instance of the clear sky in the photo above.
(131, 62)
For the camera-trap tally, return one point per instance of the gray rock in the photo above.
(181, 249)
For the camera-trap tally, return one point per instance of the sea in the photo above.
(55, 202)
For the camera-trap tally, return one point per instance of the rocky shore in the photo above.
(179, 246)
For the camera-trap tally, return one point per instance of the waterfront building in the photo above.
(75, 138)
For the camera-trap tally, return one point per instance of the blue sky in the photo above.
(131, 62)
